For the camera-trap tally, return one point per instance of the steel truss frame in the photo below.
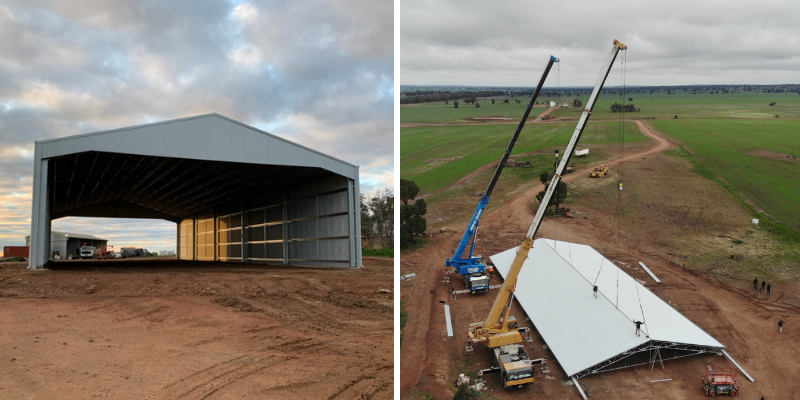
(646, 347)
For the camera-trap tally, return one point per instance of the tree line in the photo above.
(428, 96)
(377, 217)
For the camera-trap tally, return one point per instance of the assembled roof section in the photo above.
(210, 137)
(555, 290)
(79, 236)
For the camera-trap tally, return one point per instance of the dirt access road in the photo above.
(746, 325)
(160, 329)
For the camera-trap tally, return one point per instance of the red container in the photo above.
(16, 251)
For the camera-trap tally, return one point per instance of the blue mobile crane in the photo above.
(472, 268)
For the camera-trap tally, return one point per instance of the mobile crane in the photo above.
(500, 331)
(472, 268)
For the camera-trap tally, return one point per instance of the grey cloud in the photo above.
(75, 67)
(694, 40)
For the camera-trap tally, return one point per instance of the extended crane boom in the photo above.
(498, 329)
(472, 268)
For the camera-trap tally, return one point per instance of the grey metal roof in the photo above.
(211, 137)
(75, 235)
(79, 236)
(175, 168)
(580, 329)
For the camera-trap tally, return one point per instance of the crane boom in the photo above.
(494, 330)
(470, 264)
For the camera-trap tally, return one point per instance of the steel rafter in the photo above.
(646, 347)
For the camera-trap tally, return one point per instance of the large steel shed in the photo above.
(236, 193)
(589, 334)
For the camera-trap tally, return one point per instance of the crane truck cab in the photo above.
(515, 368)
(477, 282)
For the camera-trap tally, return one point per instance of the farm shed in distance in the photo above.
(235, 193)
(70, 243)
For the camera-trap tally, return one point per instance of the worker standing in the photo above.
(780, 326)
(769, 285)
(755, 283)
(638, 326)
(763, 283)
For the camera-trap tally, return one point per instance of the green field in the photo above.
(696, 106)
(718, 129)
(722, 147)
(656, 105)
(437, 156)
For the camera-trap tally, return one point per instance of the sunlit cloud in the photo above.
(319, 73)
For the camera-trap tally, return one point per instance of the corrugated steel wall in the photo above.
(186, 239)
(307, 225)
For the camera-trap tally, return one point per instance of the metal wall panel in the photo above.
(204, 237)
(303, 208)
(186, 239)
(229, 237)
(333, 203)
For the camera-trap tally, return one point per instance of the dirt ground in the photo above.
(659, 234)
(166, 329)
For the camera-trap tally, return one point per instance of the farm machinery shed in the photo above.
(235, 193)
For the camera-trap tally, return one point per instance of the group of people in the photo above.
(769, 288)
(763, 283)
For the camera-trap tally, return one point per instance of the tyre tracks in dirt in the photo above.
(209, 381)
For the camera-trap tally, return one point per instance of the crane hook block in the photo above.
(620, 45)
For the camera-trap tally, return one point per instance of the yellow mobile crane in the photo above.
(500, 331)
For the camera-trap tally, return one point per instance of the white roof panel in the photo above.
(555, 290)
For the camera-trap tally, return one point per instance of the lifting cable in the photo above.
(623, 221)
(610, 234)
(556, 144)
(619, 210)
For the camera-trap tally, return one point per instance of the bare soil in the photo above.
(670, 229)
(166, 329)
(775, 155)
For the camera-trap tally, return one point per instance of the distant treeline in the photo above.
(414, 95)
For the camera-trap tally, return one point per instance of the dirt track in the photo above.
(172, 330)
(746, 325)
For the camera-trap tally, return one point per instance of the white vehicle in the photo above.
(582, 152)
(88, 251)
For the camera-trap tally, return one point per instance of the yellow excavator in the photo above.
(599, 172)
(500, 331)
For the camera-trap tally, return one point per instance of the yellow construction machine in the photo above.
(500, 331)
(599, 172)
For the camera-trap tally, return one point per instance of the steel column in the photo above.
(40, 215)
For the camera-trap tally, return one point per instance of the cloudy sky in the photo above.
(317, 72)
(470, 42)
